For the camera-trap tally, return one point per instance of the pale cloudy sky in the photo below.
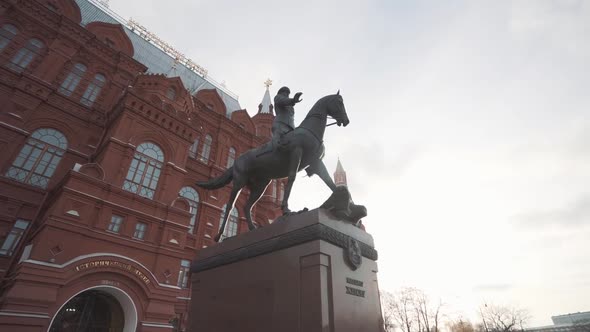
(469, 140)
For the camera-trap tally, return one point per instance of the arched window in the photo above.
(193, 198)
(206, 149)
(282, 192)
(144, 172)
(171, 93)
(273, 189)
(93, 90)
(192, 152)
(73, 79)
(231, 157)
(25, 55)
(7, 32)
(38, 159)
(231, 229)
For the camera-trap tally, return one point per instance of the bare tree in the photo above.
(429, 314)
(410, 309)
(496, 318)
(403, 309)
(387, 311)
(461, 325)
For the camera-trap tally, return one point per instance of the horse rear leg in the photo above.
(235, 191)
(256, 191)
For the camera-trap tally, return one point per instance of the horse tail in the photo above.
(219, 181)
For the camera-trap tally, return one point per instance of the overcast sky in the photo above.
(469, 140)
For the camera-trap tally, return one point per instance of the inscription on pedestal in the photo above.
(352, 290)
(355, 291)
(354, 282)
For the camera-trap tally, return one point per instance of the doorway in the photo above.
(91, 311)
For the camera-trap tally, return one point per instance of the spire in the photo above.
(266, 104)
(340, 175)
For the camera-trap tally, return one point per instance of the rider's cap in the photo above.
(284, 89)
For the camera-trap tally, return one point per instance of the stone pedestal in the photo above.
(304, 273)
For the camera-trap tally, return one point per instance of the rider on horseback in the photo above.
(284, 121)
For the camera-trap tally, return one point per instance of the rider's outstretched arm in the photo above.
(281, 100)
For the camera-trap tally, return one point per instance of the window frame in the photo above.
(139, 179)
(273, 189)
(26, 55)
(193, 151)
(137, 232)
(93, 90)
(232, 222)
(34, 153)
(281, 191)
(7, 249)
(118, 225)
(194, 204)
(231, 157)
(171, 93)
(5, 39)
(206, 150)
(184, 274)
(73, 79)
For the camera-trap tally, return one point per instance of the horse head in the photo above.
(337, 110)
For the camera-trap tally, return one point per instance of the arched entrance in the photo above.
(99, 309)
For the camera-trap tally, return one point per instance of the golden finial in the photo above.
(268, 83)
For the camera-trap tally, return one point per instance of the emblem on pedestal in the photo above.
(354, 255)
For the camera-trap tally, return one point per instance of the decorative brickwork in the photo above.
(79, 123)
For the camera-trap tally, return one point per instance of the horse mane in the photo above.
(318, 104)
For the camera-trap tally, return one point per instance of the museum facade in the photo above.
(104, 130)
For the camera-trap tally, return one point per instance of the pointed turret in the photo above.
(263, 119)
(340, 175)
(266, 104)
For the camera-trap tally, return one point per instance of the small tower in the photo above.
(265, 116)
(266, 105)
(340, 175)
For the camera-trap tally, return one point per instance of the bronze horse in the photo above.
(257, 167)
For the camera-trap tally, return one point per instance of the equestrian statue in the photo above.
(288, 152)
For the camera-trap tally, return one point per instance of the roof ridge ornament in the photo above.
(178, 56)
(268, 83)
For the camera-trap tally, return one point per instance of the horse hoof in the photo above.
(217, 238)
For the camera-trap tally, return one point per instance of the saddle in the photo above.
(280, 144)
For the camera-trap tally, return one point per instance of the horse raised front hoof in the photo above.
(292, 213)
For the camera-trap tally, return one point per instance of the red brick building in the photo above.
(102, 135)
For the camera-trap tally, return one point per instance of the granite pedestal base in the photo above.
(305, 273)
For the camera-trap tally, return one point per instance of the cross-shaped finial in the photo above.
(268, 83)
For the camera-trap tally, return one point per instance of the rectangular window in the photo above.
(206, 149)
(273, 192)
(115, 224)
(13, 238)
(194, 148)
(93, 90)
(25, 55)
(185, 267)
(68, 86)
(139, 230)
